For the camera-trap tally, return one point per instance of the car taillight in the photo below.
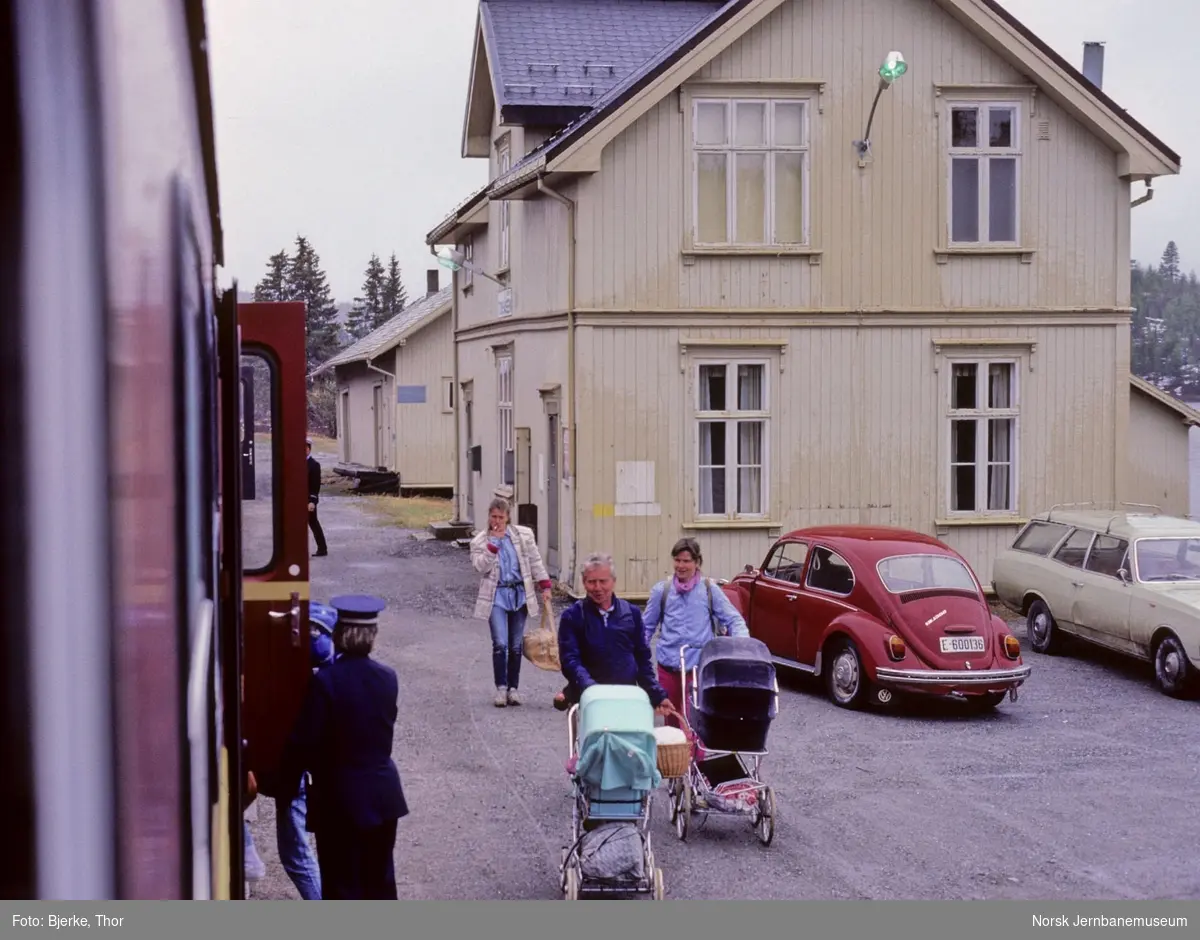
(896, 648)
(1012, 646)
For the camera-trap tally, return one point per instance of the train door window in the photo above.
(260, 447)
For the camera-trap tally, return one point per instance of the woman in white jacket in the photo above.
(507, 556)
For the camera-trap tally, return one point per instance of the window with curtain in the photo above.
(750, 172)
(983, 418)
(732, 420)
(984, 175)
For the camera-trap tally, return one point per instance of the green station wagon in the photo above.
(1125, 580)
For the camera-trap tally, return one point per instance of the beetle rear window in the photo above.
(903, 573)
(1040, 537)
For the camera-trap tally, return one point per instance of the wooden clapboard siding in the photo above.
(1159, 449)
(858, 433)
(877, 228)
(425, 432)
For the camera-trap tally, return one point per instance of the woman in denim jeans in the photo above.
(507, 556)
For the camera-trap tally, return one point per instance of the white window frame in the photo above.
(447, 395)
(730, 149)
(504, 407)
(504, 164)
(983, 153)
(731, 419)
(981, 416)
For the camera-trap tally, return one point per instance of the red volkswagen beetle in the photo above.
(874, 611)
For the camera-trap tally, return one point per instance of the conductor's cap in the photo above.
(358, 610)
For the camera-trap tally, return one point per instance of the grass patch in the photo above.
(320, 442)
(409, 512)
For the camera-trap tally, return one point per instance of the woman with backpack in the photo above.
(690, 609)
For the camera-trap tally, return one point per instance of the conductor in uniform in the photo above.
(314, 497)
(343, 738)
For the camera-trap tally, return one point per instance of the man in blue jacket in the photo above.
(602, 640)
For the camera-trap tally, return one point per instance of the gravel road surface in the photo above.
(1084, 788)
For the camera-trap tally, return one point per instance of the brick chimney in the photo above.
(431, 282)
(1093, 63)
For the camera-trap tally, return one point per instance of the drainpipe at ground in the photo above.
(456, 392)
(543, 187)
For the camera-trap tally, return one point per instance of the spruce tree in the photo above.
(273, 286)
(306, 282)
(1169, 268)
(395, 297)
(368, 312)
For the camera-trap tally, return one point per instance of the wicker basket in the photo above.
(673, 759)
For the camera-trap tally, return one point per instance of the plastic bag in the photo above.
(540, 644)
(613, 852)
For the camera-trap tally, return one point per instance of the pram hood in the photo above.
(617, 747)
(735, 662)
(614, 708)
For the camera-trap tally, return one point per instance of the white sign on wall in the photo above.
(504, 302)
(635, 489)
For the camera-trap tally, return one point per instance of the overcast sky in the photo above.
(342, 121)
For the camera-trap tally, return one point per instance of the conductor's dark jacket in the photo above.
(343, 737)
(314, 480)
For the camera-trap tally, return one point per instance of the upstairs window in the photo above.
(750, 172)
(985, 175)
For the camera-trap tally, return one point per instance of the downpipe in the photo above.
(456, 391)
(545, 189)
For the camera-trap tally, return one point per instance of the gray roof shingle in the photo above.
(385, 337)
(645, 69)
(569, 53)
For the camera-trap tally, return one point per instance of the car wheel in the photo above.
(845, 679)
(1044, 635)
(1174, 674)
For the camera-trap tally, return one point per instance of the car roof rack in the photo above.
(1111, 506)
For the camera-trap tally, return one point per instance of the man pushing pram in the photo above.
(612, 695)
(602, 640)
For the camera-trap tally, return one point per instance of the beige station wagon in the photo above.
(1125, 580)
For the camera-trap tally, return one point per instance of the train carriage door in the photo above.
(275, 589)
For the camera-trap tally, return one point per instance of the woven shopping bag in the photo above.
(540, 645)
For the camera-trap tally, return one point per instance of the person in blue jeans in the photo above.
(291, 834)
(508, 558)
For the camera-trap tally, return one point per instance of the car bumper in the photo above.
(970, 678)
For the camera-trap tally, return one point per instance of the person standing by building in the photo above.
(343, 737)
(508, 558)
(314, 497)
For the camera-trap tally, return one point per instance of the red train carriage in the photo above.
(139, 645)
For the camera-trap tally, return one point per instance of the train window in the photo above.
(260, 510)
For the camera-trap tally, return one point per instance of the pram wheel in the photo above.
(764, 817)
(683, 810)
(571, 892)
(659, 891)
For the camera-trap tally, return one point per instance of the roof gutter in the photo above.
(544, 188)
(1147, 197)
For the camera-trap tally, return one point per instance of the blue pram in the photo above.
(734, 698)
(614, 771)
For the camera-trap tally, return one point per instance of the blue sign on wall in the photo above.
(410, 394)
